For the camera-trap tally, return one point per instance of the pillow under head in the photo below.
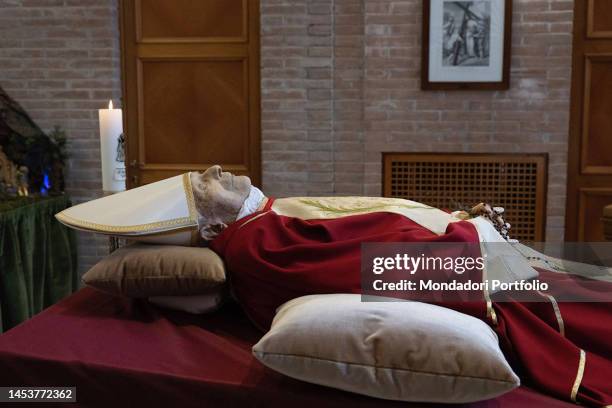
(142, 271)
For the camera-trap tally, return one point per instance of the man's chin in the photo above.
(241, 182)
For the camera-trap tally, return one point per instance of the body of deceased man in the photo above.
(278, 250)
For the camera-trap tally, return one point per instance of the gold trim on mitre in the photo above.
(193, 214)
(189, 222)
(177, 223)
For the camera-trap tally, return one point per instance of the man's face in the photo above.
(219, 195)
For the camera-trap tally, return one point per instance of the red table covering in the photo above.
(121, 352)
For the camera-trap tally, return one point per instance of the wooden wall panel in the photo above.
(189, 20)
(589, 158)
(599, 19)
(597, 115)
(592, 200)
(177, 112)
(191, 87)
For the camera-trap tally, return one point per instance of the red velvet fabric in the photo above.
(121, 353)
(273, 258)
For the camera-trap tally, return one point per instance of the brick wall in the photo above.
(297, 97)
(339, 86)
(325, 136)
(60, 60)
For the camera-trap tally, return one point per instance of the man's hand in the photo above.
(494, 214)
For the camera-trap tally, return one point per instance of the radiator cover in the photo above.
(452, 181)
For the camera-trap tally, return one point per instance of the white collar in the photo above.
(251, 204)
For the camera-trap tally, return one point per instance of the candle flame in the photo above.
(110, 104)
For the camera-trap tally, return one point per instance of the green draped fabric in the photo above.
(38, 260)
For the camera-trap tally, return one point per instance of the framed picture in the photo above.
(466, 44)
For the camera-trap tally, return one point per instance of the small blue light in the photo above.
(46, 183)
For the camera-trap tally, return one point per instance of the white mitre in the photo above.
(163, 212)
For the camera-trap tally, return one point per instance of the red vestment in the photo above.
(272, 259)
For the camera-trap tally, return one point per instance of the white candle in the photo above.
(112, 149)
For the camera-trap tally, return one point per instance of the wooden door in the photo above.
(190, 73)
(589, 186)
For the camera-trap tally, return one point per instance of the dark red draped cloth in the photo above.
(122, 353)
(272, 259)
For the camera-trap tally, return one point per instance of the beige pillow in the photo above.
(407, 351)
(142, 270)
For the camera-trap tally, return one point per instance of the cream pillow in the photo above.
(144, 270)
(407, 351)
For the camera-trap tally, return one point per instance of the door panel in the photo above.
(191, 87)
(599, 19)
(176, 112)
(189, 20)
(589, 186)
(592, 201)
(596, 149)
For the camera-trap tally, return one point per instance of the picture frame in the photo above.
(466, 44)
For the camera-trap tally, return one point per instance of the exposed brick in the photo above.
(377, 104)
(66, 56)
(340, 85)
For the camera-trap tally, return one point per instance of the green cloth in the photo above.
(38, 259)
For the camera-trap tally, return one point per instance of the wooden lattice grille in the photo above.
(516, 182)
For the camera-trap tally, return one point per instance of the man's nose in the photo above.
(214, 171)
